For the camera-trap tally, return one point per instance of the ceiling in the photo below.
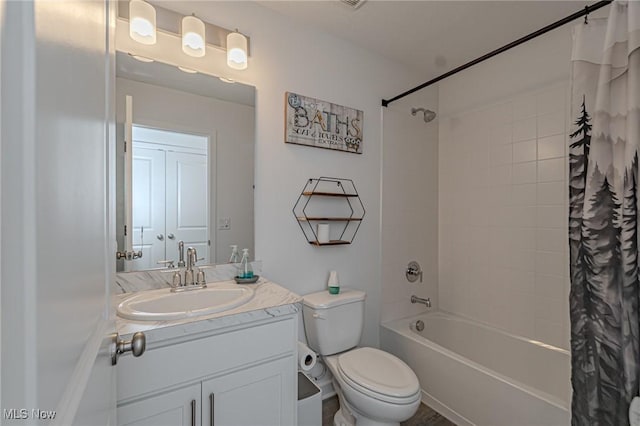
(430, 37)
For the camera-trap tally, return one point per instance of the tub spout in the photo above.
(426, 302)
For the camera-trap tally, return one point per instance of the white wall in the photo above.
(409, 205)
(231, 125)
(289, 56)
(502, 192)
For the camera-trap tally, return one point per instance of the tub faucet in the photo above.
(426, 302)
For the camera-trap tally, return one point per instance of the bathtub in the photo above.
(478, 375)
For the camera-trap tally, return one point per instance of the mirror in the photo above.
(191, 162)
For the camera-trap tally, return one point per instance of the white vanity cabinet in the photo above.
(249, 397)
(243, 376)
(180, 407)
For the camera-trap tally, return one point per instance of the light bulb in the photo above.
(237, 51)
(193, 36)
(142, 22)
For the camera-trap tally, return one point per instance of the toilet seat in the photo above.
(380, 375)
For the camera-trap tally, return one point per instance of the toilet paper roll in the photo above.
(306, 357)
(323, 232)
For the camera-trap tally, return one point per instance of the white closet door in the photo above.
(148, 207)
(187, 202)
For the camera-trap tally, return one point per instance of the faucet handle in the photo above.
(413, 272)
(177, 280)
(168, 263)
(200, 280)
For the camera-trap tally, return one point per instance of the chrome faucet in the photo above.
(426, 302)
(193, 279)
(192, 258)
(181, 253)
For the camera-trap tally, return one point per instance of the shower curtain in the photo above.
(603, 216)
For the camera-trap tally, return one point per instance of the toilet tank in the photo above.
(333, 322)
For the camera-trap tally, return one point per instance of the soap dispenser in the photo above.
(246, 271)
(234, 254)
(333, 283)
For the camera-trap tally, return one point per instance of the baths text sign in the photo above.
(321, 124)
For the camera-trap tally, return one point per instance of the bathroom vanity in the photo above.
(236, 367)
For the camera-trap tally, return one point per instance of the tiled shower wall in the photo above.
(409, 206)
(503, 215)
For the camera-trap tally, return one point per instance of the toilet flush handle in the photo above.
(318, 316)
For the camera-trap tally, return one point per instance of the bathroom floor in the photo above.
(424, 417)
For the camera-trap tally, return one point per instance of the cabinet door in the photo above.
(181, 407)
(263, 395)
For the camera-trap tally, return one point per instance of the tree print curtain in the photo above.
(603, 216)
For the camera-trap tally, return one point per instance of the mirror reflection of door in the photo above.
(170, 195)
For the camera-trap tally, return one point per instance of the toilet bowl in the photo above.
(374, 387)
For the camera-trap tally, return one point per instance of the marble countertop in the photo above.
(270, 300)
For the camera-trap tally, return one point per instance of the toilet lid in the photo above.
(379, 372)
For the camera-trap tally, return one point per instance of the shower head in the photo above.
(427, 113)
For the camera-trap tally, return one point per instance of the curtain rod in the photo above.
(583, 12)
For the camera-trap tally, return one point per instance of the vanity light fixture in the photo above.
(142, 22)
(237, 51)
(193, 36)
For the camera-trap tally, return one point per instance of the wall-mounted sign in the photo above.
(321, 124)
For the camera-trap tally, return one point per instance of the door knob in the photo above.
(136, 346)
(160, 237)
(171, 236)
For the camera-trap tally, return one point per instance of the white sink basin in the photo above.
(158, 305)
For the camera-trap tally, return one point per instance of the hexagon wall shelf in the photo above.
(334, 201)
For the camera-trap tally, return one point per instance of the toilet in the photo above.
(374, 387)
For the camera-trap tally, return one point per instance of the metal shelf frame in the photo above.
(329, 188)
